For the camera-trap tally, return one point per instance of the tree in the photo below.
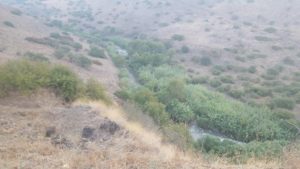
(180, 112)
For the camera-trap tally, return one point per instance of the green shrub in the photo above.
(64, 82)
(224, 88)
(276, 48)
(236, 93)
(77, 46)
(55, 23)
(174, 90)
(80, 60)
(55, 35)
(270, 30)
(95, 91)
(227, 79)
(283, 114)
(275, 71)
(180, 112)
(23, 76)
(261, 91)
(263, 38)
(231, 50)
(252, 69)
(215, 83)
(145, 53)
(123, 94)
(178, 37)
(217, 70)
(284, 103)
(240, 58)
(185, 49)
(288, 61)
(297, 98)
(61, 52)
(118, 60)
(43, 41)
(199, 80)
(265, 150)
(36, 57)
(9, 24)
(205, 60)
(214, 145)
(149, 103)
(96, 52)
(157, 111)
(256, 56)
(16, 12)
(26, 76)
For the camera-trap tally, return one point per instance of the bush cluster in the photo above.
(80, 60)
(9, 24)
(96, 52)
(36, 57)
(177, 37)
(27, 76)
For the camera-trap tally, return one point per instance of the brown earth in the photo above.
(38, 131)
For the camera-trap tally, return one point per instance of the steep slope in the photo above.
(13, 38)
(14, 45)
(38, 131)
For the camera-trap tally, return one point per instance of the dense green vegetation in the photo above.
(27, 76)
(170, 96)
(265, 150)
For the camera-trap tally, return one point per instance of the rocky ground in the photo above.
(39, 131)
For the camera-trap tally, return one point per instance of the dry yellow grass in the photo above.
(23, 120)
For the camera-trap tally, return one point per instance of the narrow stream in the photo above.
(199, 133)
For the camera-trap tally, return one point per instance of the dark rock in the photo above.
(87, 132)
(50, 131)
(110, 127)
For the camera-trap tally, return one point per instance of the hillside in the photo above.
(251, 45)
(149, 84)
(14, 45)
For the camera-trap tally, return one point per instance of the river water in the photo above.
(199, 133)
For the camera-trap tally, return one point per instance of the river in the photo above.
(199, 133)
